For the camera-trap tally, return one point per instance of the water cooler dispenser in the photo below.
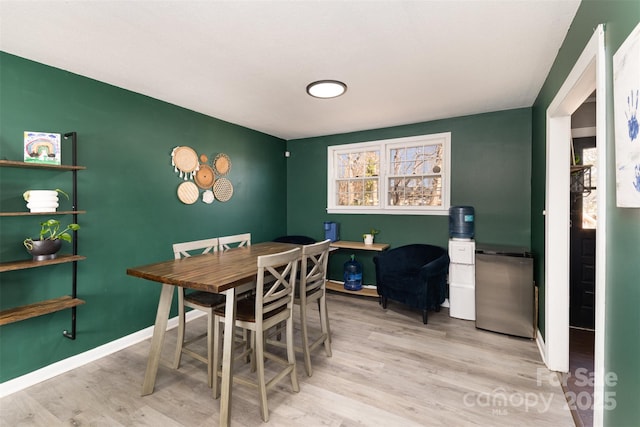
(462, 272)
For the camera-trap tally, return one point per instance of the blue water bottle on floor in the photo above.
(352, 275)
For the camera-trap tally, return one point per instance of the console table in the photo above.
(359, 246)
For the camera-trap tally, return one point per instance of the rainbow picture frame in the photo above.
(42, 147)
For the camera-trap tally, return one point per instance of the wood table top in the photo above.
(212, 272)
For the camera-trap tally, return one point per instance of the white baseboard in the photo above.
(542, 348)
(65, 365)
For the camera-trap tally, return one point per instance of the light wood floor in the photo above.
(387, 369)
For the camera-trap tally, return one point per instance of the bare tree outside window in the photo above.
(415, 176)
(357, 183)
(399, 176)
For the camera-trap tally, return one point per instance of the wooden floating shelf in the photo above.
(339, 287)
(41, 213)
(344, 244)
(24, 312)
(25, 165)
(21, 265)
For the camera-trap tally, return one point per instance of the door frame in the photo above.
(588, 74)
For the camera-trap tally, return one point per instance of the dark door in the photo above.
(583, 236)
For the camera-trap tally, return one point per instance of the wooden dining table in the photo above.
(231, 273)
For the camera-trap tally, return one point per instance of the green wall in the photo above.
(129, 192)
(622, 317)
(490, 170)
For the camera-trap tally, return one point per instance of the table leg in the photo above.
(227, 357)
(159, 329)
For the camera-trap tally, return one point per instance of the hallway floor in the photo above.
(579, 385)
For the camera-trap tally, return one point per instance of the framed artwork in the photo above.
(626, 94)
(42, 147)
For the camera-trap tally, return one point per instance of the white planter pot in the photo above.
(368, 239)
(41, 200)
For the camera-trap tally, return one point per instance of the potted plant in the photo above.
(368, 237)
(50, 240)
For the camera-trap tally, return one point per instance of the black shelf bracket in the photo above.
(74, 161)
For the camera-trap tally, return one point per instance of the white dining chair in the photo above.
(312, 288)
(271, 304)
(235, 241)
(199, 300)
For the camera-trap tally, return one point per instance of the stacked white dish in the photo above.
(41, 200)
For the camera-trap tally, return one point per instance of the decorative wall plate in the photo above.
(204, 177)
(223, 189)
(188, 193)
(208, 197)
(222, 164)
(185, 160)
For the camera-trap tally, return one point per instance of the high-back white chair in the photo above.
(199, 300)
(237, 240)
(271, 305)
(312, 288)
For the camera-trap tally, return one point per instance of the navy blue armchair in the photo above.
(415, 275)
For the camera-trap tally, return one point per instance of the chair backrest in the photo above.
(237, 240)
(275, 283)
(185, 249)
(313, 269)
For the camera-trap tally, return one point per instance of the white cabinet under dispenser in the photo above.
(462, 279)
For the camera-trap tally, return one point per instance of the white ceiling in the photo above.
(249, 62)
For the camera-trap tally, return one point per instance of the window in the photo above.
(589, 201)
(394, 176)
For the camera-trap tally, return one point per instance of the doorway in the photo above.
(587, 75)
(582, 277)
(583, 223)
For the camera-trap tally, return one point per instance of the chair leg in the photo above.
(291, 354)
(437, 308)
(324, 325)
(181, 327)
(211, 370)
(259, 361)
(217, 345)
(383, 301)
(305, 340)
(252, 345)
(424, 316)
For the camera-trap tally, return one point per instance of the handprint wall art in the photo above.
(626, 91)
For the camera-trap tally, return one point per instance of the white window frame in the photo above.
(384, 146)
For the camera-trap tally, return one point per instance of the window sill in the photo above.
(373, 211)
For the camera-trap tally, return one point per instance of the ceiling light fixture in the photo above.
(326, 89)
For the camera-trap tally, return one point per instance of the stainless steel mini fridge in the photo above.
(505, 290)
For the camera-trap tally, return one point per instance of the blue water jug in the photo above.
(352, 275)
(461, 222)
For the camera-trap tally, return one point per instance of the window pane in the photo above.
(589, 205)
(355, 165)
(420, 160)
(357, 192)
(415, 191)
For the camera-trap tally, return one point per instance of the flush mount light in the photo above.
(326, 89)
